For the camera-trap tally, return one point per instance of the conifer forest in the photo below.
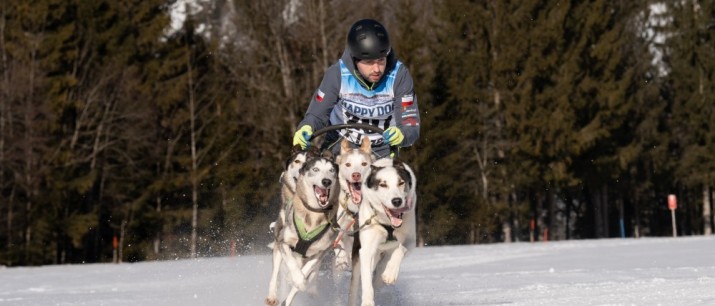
(158, 129)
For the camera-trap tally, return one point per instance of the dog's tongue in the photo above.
(396, 222)
(322, 194)
(395, 217)
(356, 192)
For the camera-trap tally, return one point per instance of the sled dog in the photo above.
(386, 227)
(353, 166)
(288, 180)
(306, 234)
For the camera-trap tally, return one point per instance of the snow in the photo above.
(645, 271)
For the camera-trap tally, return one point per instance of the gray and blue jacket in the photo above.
(344, 97)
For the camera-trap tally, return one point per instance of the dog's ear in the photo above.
(405, 175)
(344, 145)
(371, 178)
(365, 146)
(402, 171)
(327, 154)
(312, 152)
(295, 150)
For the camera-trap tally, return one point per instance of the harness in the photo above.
(336, 226)
(389, 228)
(307, 238)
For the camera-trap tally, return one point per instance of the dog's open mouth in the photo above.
(395, 215)
(355, 192)
(322, 194)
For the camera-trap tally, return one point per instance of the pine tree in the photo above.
(575, 94)
(691, 79)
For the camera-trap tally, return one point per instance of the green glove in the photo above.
(302, 136)
(393, 135)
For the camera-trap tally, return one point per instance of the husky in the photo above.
(305, 234)
(288, 180)
(353, 166)
(387, 229)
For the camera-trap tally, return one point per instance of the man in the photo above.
(367, 85)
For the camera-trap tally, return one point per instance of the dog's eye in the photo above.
(315, 169)
(348, 165)
(383, 185)
(332, 170)
(401, 183)
(364, 164)
(297, 161)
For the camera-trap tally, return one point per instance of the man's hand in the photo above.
(393, 135)
(302, 136)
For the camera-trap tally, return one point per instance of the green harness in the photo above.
(306, 238)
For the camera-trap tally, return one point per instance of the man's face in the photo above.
(372, 69)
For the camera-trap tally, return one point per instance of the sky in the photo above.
(644, 271)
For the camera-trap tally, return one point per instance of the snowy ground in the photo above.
(647, 271)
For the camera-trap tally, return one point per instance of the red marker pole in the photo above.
(115, 244)
(672, 205)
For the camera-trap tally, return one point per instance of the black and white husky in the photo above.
(353, 167)
(387, 227)
(305, 234)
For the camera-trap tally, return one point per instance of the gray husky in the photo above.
(305, 233)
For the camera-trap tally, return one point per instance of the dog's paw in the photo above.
(389, 277)
(271, 301)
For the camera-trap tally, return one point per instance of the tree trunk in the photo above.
(712, 197)
(28, 149)
(707, 227)
(157, 237)
(604, 211)
(4, 107)
(122, 230)
(597, 208)
(551, 202)
(194, 160)
(636, 216)
(569, 204)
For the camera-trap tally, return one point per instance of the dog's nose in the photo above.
(356, 176)
(326, 182)
(397, 202)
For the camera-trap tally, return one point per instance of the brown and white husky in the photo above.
(353, 167)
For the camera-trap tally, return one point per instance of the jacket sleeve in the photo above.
(323, 100)
(407, 114)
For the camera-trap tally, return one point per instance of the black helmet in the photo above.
(368, 39)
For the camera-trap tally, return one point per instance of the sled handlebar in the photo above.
(393, 149)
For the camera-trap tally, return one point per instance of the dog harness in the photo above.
(306, 238)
